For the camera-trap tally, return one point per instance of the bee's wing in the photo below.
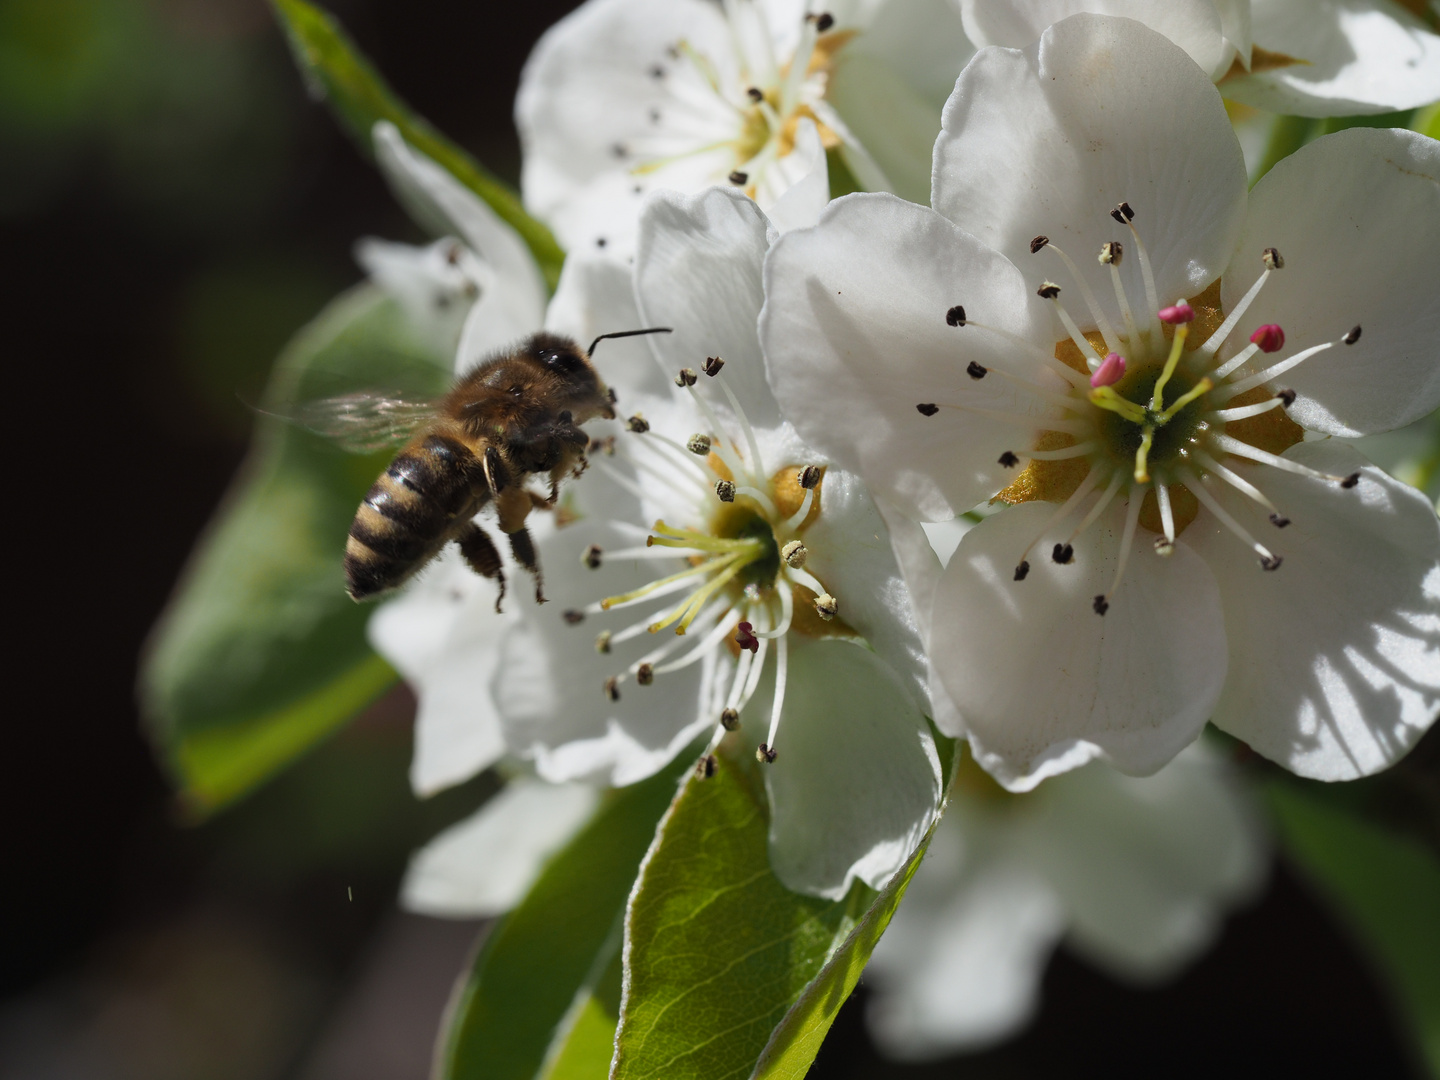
(365, 421)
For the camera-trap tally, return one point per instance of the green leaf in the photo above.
(543, 996)
(795, 1042)
(1385, 886)
(1427, 121)
(335, 68)
(717, 950)
(261, 653)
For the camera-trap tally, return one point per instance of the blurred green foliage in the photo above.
(261, 653)
(360, 98)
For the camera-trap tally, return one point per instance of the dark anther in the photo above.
(572, 617)
(976, 371)
(1278, 521)
(764, 754)
(955, 316)
(1350, 481)
(1111, 252)
(645, 674)
(739, 179)
(1062, 553)
(1271, 562)
(725, 490)
(699, 445)
(1038, 243)
(600, 241)
(656, 71)
(591, 558)
(730, 720)
(756, 94)
(706, 766)
(1101, 605)
(713, 364)
(1353, 336)
(603, 446)
(638, 424)
(1048, 290)
(824, 21)
(654, 116)
(1287, 396)
(1123, 213)
(612, 688)
(686, 377)
(927, 408)
(1272, 259)
(602, 641)
(1022, 570)
(745, 637)
(618, 149)
(1009, 460)
(809, 476)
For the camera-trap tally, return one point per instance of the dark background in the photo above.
(173, 208)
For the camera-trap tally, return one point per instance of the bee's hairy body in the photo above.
(513, 417)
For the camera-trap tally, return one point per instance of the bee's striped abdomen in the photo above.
(408, 512)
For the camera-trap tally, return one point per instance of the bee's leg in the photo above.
(524, 550)
(483, 556)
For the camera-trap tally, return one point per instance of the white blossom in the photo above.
(1115, 623)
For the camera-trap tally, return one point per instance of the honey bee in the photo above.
(515, 416)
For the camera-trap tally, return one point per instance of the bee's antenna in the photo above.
(629, 333)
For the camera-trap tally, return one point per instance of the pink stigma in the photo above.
(745, 637)
(1111, 371)
(1269, 337)
(1177, 313)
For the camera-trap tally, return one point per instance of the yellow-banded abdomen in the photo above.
(433, 486)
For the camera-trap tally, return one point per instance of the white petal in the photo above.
(444, 636)
(1103, 110)
(1357, 56)
(1356, 216)
(1194, 25)
(852, 555)
(495, 324)
(589, 88)
(1042, 682)
(960, 965)
(854, 332)
(807, 188)
(856, 781)
(1335, 657)
(595, 296)
(1148, 866)
(551, 679)
(698, 269)
(437, 199)
(426, 281)
(484, 865)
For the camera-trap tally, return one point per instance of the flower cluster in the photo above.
(1055, 306)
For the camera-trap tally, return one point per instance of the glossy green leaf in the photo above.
(717, 950)
(1384, 885)
(795, 1042)
(1427, 121)
(261, 653)
(336, 69)
(542, 997)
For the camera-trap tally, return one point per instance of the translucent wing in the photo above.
(365, 421)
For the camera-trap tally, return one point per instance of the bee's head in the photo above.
(571, 381)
